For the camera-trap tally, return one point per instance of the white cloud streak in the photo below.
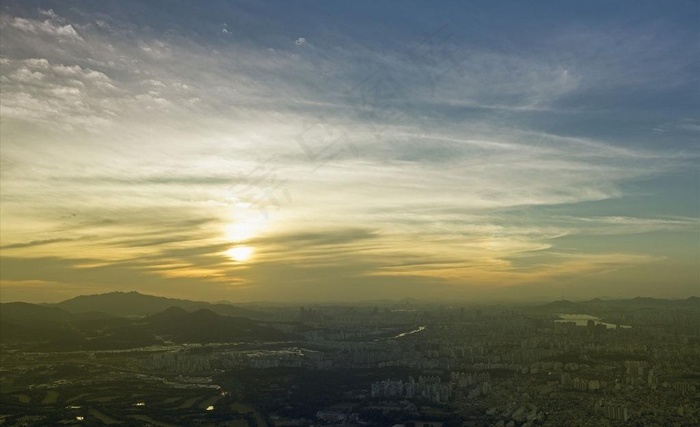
(145, 123)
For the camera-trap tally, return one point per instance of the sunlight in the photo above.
(240, 253)
(240, 231)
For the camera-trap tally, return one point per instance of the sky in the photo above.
(349, 151)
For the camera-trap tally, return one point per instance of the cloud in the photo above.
(36, 243)
(371, 156)
(318, 239)
(36, 90)
(46, 28)
(632, 225)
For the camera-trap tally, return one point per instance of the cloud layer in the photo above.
(352, 162)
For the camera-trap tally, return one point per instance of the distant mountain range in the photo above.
(137, 304)
(122, 320)
(566, 306)
(129, 320)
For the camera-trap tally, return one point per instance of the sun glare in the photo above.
(240, 253)
(240, 231)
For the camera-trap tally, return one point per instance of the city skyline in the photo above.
(249, 151)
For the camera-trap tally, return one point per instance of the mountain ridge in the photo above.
(136, 304)
(55, 329)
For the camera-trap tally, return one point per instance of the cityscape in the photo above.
(406, 362)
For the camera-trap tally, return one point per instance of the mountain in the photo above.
(204, 326)
(637, 302)
(48, 328)
(167, 315)
(23, 312)
(139, 305)
(647, 302)
(24, 322)
(561, 305)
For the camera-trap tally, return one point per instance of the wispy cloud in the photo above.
(35, 243)
(380, 156)
(46, 27)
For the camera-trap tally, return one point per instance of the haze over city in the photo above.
(327, 151)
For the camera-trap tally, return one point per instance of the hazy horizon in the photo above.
(360, 302)
(317, 151)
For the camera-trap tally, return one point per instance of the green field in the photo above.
(150, 420)
(23, 398)
(77, 397)
(243, 409)
(102, 417)
(187, 404)
(51, 397)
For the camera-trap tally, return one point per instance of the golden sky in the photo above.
(235, 151)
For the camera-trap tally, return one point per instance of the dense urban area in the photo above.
(132, 359)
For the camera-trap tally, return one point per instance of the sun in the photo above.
(240, 253)
(240, 233)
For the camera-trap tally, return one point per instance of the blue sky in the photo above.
(343, 151)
